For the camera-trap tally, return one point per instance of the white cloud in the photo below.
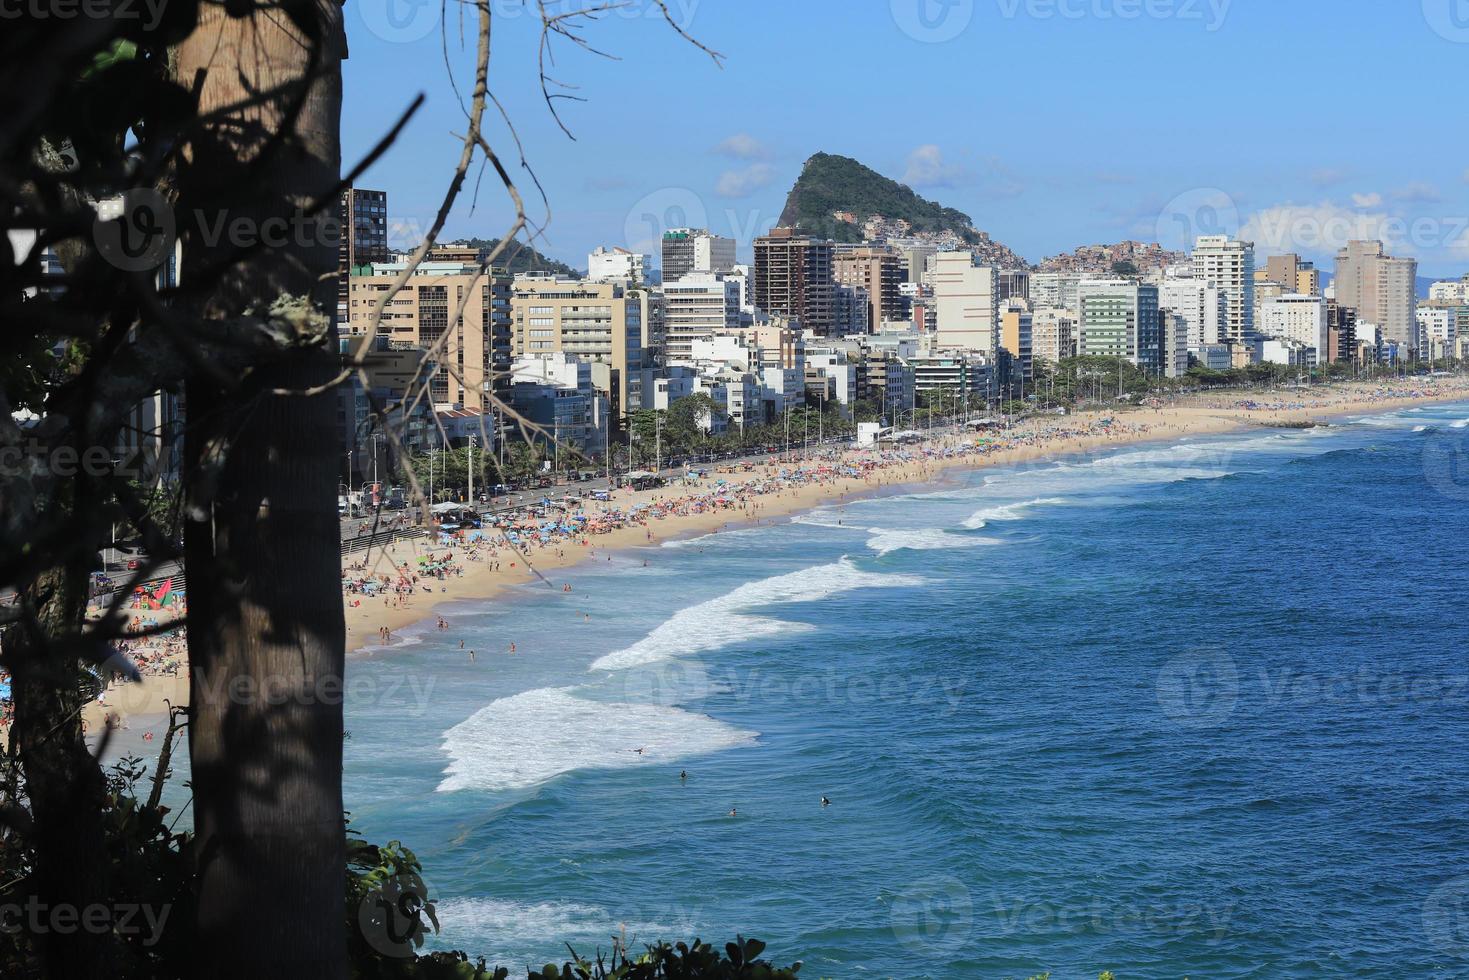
(743, 146)
(926, 168)
(1319, 230)
(742, 183)
(1372, 200)
(1418, 192)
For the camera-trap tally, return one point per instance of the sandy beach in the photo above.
(488, 573)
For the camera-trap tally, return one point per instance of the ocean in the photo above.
(1178, 709)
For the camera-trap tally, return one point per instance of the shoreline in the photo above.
(145, 701)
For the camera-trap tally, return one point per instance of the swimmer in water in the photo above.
(684, 774)
(825, 801)
(733, 812)
(640, 751)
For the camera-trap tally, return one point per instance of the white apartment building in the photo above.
(1438, 330)
(1054, 289)
(1229, 264)
(1295, 317)
(966, 299)
(688, 250)
(616, 265)
(1449, 291)
(1175, 343)
(1052, 333)
(699, 305)
(1200, 304)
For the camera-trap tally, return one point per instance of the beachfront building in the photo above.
(965, 373)
(838, 372)
(1119, 318)
(1382, 289)
(1016, 333)
(1298, 318)
(595, 322)
(1175, 349)
(1438, 330)
(966, 300)
(472, 359)
(1052, 333)
(558, 405)
(697, 306)
(1200, 304)
(1230, 265)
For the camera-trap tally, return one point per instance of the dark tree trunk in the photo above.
(266, 632)
(63, 784)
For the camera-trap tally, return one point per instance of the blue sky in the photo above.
(1053, 123)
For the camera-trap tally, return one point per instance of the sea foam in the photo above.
(724, 621)
(525, 740)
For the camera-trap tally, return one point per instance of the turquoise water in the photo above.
(1182, 709)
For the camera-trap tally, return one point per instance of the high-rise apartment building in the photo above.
(1292, 273)
(1017, 338)
(881, 272)
(597, 322)
(966, 301)
(1296, 317)
(1200, 304)
(1230, 265)
(1052, 334)
(688, 250)
(793, 278)
(1382, 289)
(1057, 289)
(473, 358)
(1119, 318)
(363, 217)
(699, 305)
